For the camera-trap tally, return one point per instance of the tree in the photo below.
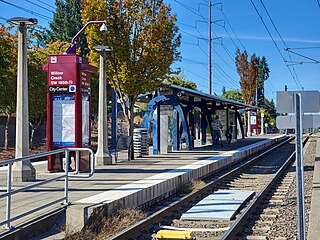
(144, 39)
(177, 79)
(248, 78)
(8, 75)
(263, 75)
(248, 74)
(67, 22)
(232, 94)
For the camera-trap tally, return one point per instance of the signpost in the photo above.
(68, 106)
(299, 103)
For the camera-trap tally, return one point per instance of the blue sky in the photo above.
(297, 22)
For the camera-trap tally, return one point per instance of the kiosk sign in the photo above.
(63, 120)
(68, 105)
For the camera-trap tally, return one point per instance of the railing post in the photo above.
(77, 156)
(66, 186)
(8, 210)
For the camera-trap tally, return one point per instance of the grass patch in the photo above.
(120, 220)
(197, 184)
(194, 185)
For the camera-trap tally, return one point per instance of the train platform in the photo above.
(314, 229)
(125, 184)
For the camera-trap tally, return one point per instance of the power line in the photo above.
(301, 55)
(39, 6)
(3, 18)
(304, 47)
(284, 43)
(27, 10)
(224, 60)
(227, 77)
(193, 10)
(232, 29)
(46, 4)
(274, 42)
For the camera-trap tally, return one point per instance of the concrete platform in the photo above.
(221, 205)
(129, 184)
(314, 218)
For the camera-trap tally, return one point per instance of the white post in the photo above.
(22, 171)
(262, 124)
(249, 125)
(102, 156)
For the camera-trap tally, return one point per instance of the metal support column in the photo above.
(299, 170)
(175, 131)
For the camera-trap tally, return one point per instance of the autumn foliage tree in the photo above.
(144, 39)
(248, 74)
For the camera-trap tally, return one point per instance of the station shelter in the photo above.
(176, 115)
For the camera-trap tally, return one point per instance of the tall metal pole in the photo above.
(22, 171)
(102, 156)
(209, 51)
(299, 170)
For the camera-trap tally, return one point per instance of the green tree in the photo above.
(178, 79)
(8, 75)
(263, 75)
(144, 38)
(67, 22)
(232, 94)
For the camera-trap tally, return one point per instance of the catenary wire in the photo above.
(274, 42)
(35, 4)
(27, 10)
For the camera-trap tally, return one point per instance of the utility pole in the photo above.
(209, 50)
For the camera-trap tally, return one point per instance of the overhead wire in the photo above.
(196, 12)
(46, 4)
(296, 79)
(276, 45)
(3, 18)
(39, 6)
(27, 10)
(228, 22)
(193, 10)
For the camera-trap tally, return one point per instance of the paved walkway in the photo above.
(106, 177)
(314, 227)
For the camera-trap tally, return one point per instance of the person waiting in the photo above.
(228, 133)
(216, 126)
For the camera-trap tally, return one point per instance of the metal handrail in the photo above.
(66, 175)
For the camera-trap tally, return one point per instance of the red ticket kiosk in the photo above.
(68, 106)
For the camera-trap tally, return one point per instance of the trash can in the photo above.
(140, 142)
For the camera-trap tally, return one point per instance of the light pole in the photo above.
(103, 29)
(22, 171)
(103, 156)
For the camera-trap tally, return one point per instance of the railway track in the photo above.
(259, 174)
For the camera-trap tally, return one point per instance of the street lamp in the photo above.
(103, 156)
(22, 171)
(72, 48)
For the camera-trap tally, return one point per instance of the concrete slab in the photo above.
(221, 205)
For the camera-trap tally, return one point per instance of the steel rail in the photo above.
(237, 226)
(130, 232)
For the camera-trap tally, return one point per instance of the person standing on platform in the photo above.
(216, 126)
(228, 133)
